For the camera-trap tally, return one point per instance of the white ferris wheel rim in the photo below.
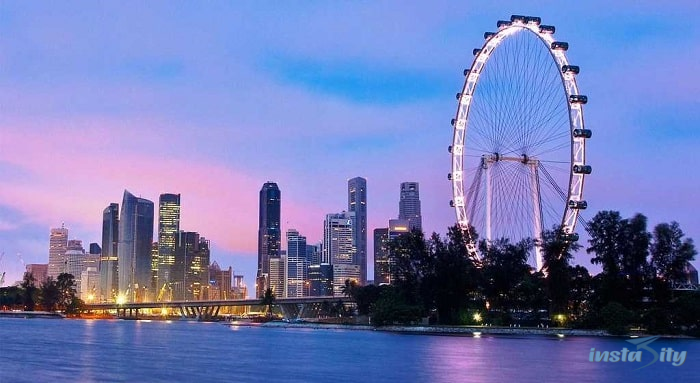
(460, 123)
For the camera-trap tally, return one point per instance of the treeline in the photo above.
(435, 278)
(51, 295)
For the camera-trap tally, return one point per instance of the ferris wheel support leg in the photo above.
(489, 196)
(537, 213)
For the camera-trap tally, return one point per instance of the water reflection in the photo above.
(118, 350)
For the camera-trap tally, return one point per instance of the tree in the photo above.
(50, 294)
(268, 299)
(621, 247)
(635, 258)
(411, 263)
(349, 289)
(556, 248)
(391, 308)
(365, 298)
(504, 268)
(454, 278)
(670, 252)
(66, 286)
(30, 291)
(580, 292)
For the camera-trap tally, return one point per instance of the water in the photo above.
(39, 350)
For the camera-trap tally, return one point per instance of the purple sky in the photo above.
(212, 100)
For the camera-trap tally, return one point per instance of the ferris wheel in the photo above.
(519, 143)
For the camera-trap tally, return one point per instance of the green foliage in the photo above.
(670, 252)
(392, 308)
(616, 318)
(75, 306)
(30, 290)
(50, 294)
(556, 254)
(268, 300)
(504, 268)
(11, 298)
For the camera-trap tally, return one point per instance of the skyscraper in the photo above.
(109, 281)
(381, 257)
(297, 265)
(190, 272)
(409, 205)
(384, 263)
(58, 244)
(357, 203)
(168, 227)
(269, 233)
(339, 249)
(134, 248)
(338, 243)
(220, 282)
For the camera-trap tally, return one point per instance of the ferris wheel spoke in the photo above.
(517, 138)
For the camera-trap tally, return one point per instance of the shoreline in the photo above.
(473, 331)
(440, 330)
(31, 314)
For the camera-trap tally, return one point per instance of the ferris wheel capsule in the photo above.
(518, 151)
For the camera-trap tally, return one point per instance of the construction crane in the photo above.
(2, 276)
(161, 292)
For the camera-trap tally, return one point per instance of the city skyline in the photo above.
(77, 87)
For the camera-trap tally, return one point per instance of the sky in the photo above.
(211, 100)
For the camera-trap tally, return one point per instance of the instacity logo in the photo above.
(676, 358)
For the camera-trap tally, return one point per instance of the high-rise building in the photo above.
(220, 282)
(109, 281)
(382, 272)
(339, 249)
(357, 203)
(168, 227)
(77, 262)
(313, 253)
(409, 205)
(191, 268)
(338, 243)
(269, 234)
(278, 275)
(89, 284)
(343, 273)
(321, 280)
(238, 289)
(40, 271)
(58, 244)
(95, 248)
(297, 265)
(134, 248)
(398, 227)
(86, 276)
(154, 267)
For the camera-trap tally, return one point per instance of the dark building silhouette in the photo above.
(191, 269)
(382, 272)
(269, 234)
(357, 203)
(409, 205)
(321, 280)
(109, 280)
(134, 248)
(95, 249)
(168, 227)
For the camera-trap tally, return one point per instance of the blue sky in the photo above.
(213, 99)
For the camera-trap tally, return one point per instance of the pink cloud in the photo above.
(73, 179)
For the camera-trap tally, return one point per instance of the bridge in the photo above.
(292, 308)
